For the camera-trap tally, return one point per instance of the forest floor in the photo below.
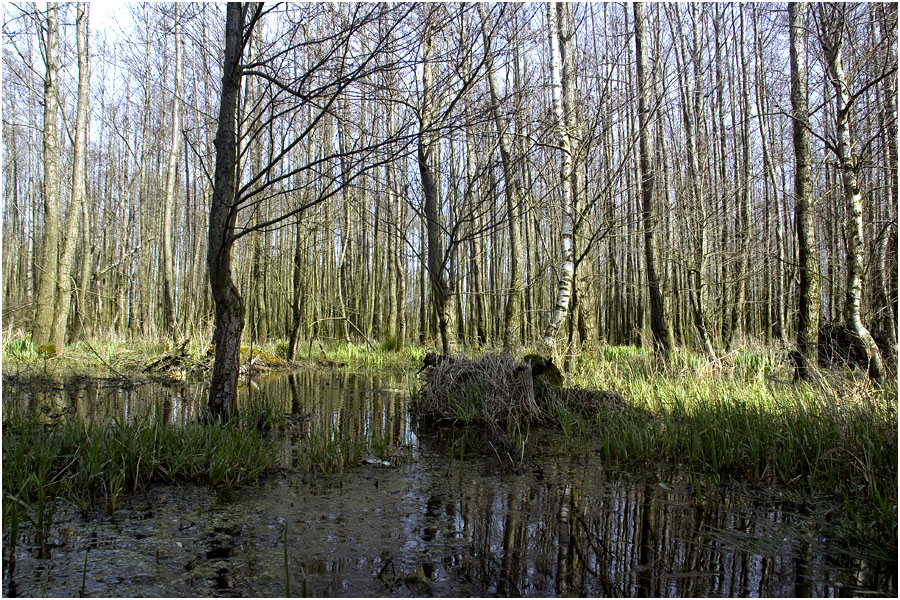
(737, 417)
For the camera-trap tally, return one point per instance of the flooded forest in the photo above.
(449, 299)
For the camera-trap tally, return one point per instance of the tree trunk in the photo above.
(887, 18)
(691, 115)
(742, 230)
(41, 330)
(64, 286)
(862, 339)
(663, 341)
(808, 309)
(512, 314)
(440, 290)
(168, 252)
(567, 270)
(297, 273)
(222, 213)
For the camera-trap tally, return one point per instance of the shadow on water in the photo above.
(561, 526)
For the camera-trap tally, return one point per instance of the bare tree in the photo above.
(663, 341)
(168, 251)
(831, 34)
(222, 215)
(808, 300)
(567, 269)
(339, 62)
(512, 314)
(64, 287)
(41, 331)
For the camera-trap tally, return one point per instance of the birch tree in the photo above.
(831, 35)
(567, 268)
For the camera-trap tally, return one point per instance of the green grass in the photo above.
(97, 465)
(88, 462)
(737, 417)
(389, 354)
(742, 418)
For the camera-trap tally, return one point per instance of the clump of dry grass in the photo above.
(490, 390)
(500, 394)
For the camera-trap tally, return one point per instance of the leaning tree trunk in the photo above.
(663, 341)
(862, 339)
(808, 309)
(49, 262)
(222, 212)
(567, 237)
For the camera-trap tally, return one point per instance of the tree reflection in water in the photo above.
(576, 533)
(562, 526)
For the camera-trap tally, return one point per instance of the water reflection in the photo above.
(105, 401)
(581, 534)
(562, 527)
(348, 404)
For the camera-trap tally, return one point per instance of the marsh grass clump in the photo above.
(96, 465)
(488, 391)
(392, 343)
(503, 396)
(742, 417)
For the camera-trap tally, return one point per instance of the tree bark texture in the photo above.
(223, 210)
(663, 341)
(41, 330)
(567, 268)
(440, 289)
(809, 295)
(65, 287)
(832, 45)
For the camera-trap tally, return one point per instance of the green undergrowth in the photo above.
(390, 353)
(97, 465)
(741, 417)
(737, 418)
(92, 465)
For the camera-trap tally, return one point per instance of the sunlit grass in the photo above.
(91, 464)
(742, 417)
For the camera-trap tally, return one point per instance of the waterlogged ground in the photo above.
(425, 525)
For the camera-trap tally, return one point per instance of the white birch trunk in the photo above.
(862, 339)
(567, 270)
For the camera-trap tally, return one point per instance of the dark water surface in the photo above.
(424, 526)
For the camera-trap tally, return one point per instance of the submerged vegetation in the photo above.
(95, 465)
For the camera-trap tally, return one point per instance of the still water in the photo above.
(557, 526)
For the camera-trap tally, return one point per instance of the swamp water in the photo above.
(423, 524)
